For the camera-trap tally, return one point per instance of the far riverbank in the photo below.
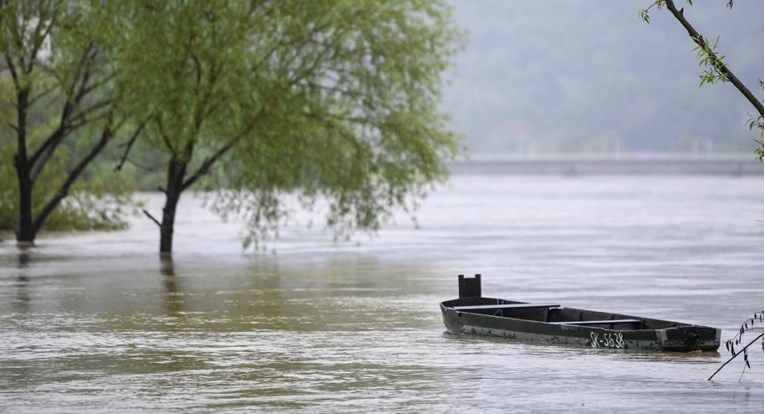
(734, 164)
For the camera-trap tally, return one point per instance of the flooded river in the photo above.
(96, 323)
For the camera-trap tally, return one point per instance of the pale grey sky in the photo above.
(591, 76)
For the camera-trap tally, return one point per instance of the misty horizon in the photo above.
(559, 77)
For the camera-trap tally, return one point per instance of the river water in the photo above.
(95, 322)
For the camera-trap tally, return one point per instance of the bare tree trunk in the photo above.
(177, 183)
(175, 175)
(25, 231)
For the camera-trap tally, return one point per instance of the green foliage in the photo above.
(357, 129)
(757, 123)
(711, 60)
(56, 112)
(713, 64)
(709, 57)
(185, 69)
(102, 200)
(329, 100)
(645, 13)
(715, 71)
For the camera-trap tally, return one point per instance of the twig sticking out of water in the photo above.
(732, 343)
(734, 357)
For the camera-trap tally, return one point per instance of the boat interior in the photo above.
(553, 313)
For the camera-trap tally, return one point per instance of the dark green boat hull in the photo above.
(568, 326)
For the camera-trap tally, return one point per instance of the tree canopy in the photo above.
(57, 110)
(330, 100)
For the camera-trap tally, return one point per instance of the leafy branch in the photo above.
(754, 323)
(711, 61)
(715, 70)
(757, 123)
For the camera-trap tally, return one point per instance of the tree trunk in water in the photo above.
(175, 175)
(25, 231)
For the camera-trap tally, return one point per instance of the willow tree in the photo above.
(332, 100)
(53, 56)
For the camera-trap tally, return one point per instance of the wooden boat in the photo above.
(554, 324)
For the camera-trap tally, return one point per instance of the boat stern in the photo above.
(690, 338)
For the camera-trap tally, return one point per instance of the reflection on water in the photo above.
(22, 299)
(173, 293)
(97, 322)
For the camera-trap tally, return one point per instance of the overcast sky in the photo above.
(590, 76)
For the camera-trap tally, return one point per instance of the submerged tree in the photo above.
(186, 70)
(333, 100)
(61, 109)
(715, 68)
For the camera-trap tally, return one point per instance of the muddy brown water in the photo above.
(94, 322)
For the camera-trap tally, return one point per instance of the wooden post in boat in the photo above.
(470, 287)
